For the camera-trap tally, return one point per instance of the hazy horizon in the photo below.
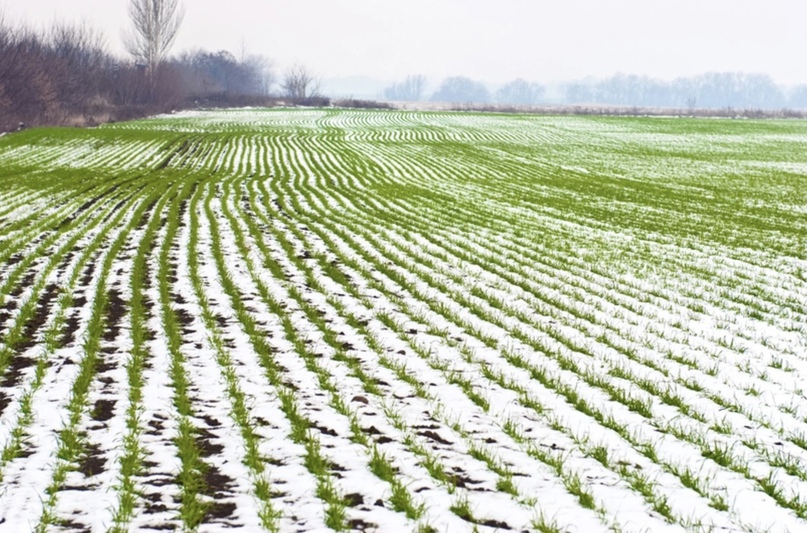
(491, 42)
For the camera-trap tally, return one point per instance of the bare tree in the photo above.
(80, 63)
(155, 27)
(299, 83)
(461, 90)
(410, 90)
(520, 92)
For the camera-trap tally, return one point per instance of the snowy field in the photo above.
(313, 320)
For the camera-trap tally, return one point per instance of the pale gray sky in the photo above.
(491, 40)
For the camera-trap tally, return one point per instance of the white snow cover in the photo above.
(415, 321)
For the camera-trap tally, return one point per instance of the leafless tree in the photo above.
(80, 62)
(155, 27)
(410, 90)
(299, 83)
(520, 92)
(461, 90)
(263, 68)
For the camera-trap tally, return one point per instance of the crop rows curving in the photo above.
(301, 320)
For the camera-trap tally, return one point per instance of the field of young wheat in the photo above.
(311, 320)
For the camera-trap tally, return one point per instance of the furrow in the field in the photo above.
(138, 157)
(124, 155)
(465, 411)
(129, 459)
(504, 206)
(518, 171)
(541, 394)
(25, 301)
(226, 477)
(755, 258)
(396, 349)
(715, 417)
(757, 351)
(154, 480)
(297, 188)
(16, 205)
(89, 448)
(304, 357)
(40, 155)
(45, 327)
(329, 305)
(36, 225)
(293, 488)
(26, 480)
(205, 497)
(605, 316)
(565, 263)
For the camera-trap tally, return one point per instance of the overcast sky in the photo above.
(490, 40)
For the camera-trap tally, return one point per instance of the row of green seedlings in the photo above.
(505, 482)
(401, 214)
(514, 260)
(43, 222)
(20, 333)
(53, 339)
(351, 318)
(133, 453)
(613, 341)
(44, 235)
(644, 383)
(638, 406)
(659, 501)
(193, 507)
(527, 245)
(239, 402)
(17, 210)
(314, 461)
(480, 309)
(516, 169)
(401, 499)
(630, 352)
(515, 266)
(35, 236)
(696, 294)
(72, 441)
(39, 209)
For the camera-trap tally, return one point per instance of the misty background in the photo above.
(683, 54)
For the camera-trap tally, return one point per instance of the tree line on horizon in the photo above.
(66, 74)
(712, 90)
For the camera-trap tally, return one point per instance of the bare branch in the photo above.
(299, 83)
(155, 25)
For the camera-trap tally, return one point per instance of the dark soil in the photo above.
(93, 462)
(104, 410)
(4, 401)
(70, 328)
(358, 524)
(220, 510)
(77, 527)
(36, 322)
(14, 259)
(15, 368)
(115, 311)
(26, 282)
(354, 500)
(204, 441)
(434, 436)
